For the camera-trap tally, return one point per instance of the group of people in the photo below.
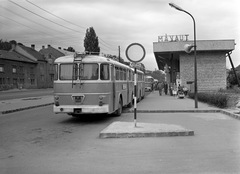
(173, 89)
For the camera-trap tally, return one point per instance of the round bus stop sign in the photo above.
(135, 52)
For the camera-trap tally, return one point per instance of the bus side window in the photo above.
(117, 73)
(104, 72)
(55, 72)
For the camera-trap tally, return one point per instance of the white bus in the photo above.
(149, 80)
(90, 84)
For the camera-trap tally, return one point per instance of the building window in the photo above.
(2, 81)
(42, 77)
(21, 70)
(8, 80)
(31, 70)
(32, 81)
(14, 69)
(22, 81)
(1, 68)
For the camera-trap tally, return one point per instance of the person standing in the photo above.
(165, 88)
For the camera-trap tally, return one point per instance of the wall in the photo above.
(211, 70)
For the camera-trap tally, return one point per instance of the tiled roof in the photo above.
(50, 50)
(12, 55)
(33, 52)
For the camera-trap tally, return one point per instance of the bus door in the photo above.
(113, 78)
(128, 87)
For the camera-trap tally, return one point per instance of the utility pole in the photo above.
(119, 53)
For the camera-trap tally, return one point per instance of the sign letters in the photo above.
(173, 38)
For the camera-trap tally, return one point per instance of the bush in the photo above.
(5, 87)
(217, 99)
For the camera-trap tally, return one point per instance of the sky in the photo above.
(118, 23)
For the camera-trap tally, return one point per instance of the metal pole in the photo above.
(195, 52)
(233, 69)
(195, 61)
(135, 97)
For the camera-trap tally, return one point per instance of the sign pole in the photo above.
(135, 59)
(135, 96)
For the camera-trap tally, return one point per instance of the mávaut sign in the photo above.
(173, 38)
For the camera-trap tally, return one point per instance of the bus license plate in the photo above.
(78, 99)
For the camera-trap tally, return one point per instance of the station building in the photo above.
(171, 57)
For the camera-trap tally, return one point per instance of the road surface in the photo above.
(37, 141)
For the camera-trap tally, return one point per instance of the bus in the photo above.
(149, 80)
(91, 84)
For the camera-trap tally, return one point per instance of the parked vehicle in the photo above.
(91, 84)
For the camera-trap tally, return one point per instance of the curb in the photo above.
(233, 115)
(25, 108)
(127, 130)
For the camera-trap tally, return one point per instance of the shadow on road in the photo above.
(88, 119)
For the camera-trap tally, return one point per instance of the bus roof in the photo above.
(89, 59)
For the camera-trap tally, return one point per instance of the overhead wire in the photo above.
(59, 37)
(55, 15)
(44, 17)
(102, 42)
(23, 25)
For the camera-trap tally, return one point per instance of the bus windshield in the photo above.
(89, 71)
(85, 71)
(66, 72)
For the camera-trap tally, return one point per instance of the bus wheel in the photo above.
(119, 111)
(131, 102)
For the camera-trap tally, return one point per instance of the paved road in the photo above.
(16, 93)
(37, 141)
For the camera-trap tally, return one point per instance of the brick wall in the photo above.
(211, 70)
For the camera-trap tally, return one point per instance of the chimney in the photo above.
(59, 48)
(13, 45)
(49, 46)
(43, 47)
(33, 46)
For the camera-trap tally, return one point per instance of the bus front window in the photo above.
(89, 71)
(68, 72)
(104, 72)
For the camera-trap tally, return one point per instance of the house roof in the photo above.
(33, 52)
(50, 50)
(12, 55)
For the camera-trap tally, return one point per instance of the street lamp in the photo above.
(195, 52)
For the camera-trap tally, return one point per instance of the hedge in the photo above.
(217, 99)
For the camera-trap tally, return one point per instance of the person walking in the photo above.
(160, 87)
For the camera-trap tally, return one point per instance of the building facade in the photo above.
(17, 71)
(172, 57)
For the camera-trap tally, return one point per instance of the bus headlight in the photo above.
(56, 100)
(101, 97)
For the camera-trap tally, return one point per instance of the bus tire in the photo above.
(131, 102)
(119, 110)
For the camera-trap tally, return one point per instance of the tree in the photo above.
(5, 45)
(91, 43)
(231, 78)
(70, 49)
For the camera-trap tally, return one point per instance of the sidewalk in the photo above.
(154, 103)
(8, 106)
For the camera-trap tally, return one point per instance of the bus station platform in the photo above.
(154, 103)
